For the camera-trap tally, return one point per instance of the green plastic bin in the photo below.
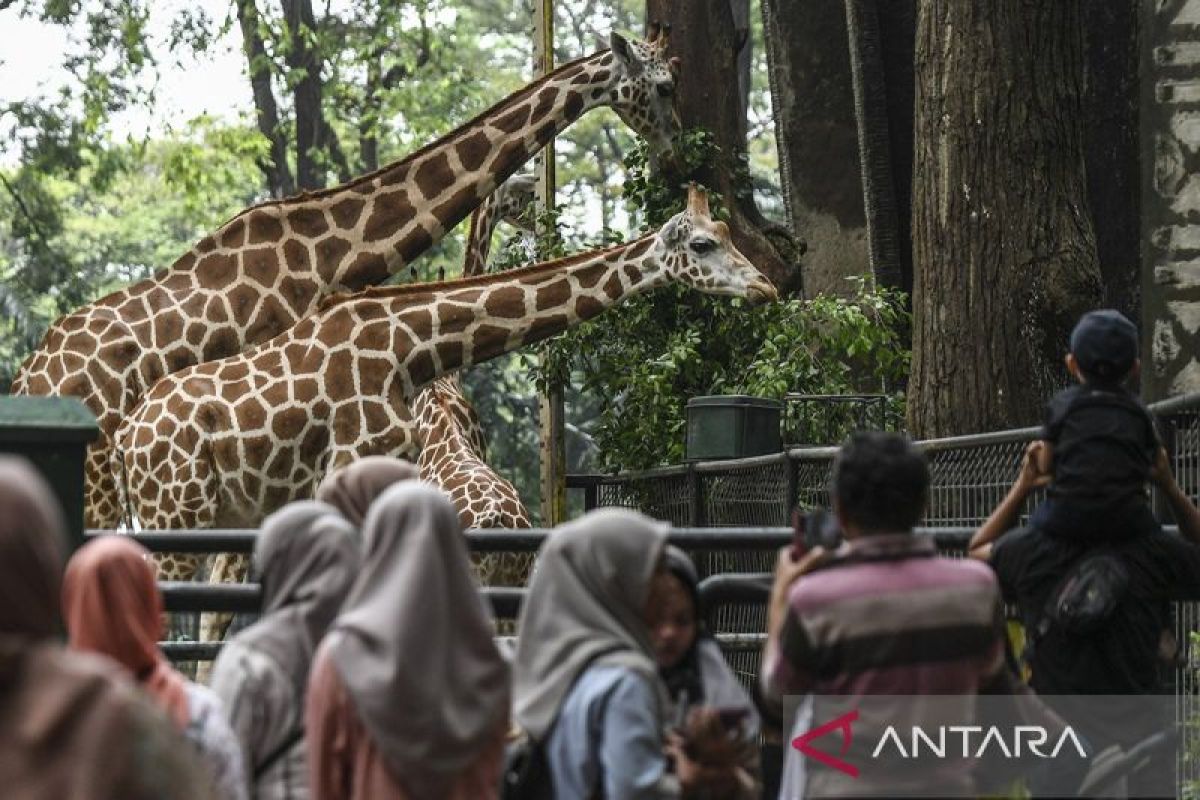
(732, 426)
(53, 433)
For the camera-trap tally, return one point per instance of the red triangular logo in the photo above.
(842, 723)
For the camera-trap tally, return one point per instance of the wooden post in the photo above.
(550, 403)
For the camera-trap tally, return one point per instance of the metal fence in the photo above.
(969, 477)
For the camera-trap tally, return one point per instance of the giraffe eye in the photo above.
(665, 89)
(702, 246)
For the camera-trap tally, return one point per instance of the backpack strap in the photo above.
(281, 750)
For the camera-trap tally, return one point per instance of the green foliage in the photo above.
(642, 361)
(646, 359)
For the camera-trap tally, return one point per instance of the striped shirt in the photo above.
(891, 619)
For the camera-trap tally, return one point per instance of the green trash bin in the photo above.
(732, 426)
(53, 433)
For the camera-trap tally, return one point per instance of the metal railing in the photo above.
(822, 419)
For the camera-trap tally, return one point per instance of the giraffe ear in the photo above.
(671, 233)
(624, 53)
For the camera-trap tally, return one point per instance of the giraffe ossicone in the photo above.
(272, 264)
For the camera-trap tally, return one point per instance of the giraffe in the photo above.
(222, 443)
(273, 264)
(453, 447)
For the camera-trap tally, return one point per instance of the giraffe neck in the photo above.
(437, 423)
(479, 240)
(459, 323)
(386, 219)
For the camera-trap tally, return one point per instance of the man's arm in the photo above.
(1004, 517)
(787, 572)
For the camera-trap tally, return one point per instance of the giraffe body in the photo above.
(273, 264)
(226, 442)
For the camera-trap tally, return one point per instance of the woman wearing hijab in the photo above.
(70, 724)
(409, 697)
(706, 697)
(113, 607)
(353, 488)
(585, 680)
(306, 557)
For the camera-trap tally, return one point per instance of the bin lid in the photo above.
(734, 400)
(46, 419)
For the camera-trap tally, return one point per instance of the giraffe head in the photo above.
(695, 250)
(516, 201)
(643, 89)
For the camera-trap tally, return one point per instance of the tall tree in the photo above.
(706, 38)
(1003, 244)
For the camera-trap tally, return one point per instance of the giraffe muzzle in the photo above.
(761, 292)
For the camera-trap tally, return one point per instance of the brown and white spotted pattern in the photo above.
(222, 443)
(272, 264)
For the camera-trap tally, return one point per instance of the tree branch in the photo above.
(278, 175)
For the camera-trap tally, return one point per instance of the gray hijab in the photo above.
(413, 645)
(306, 557)
(353, 488)
(585, 605)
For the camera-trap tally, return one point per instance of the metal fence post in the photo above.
(696, 514)
(793, 487)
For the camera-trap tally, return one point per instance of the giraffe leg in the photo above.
(227, 568)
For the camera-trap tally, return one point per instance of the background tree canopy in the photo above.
(90, 201)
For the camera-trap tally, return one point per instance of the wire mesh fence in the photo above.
(969, 477)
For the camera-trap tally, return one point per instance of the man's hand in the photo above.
(787, 571)
(1160, 472)
(1035, 472)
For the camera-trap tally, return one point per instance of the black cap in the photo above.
(1105, 344)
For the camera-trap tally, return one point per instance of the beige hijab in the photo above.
(353, 488)
(413, 645)
(586, 605)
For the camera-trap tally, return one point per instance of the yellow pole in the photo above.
(550, 403)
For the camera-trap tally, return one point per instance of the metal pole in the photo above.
(550, 403)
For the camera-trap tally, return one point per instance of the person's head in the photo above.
(112, 603)
(589, 598)
(306, 554)
(353, 488)
(880, 484)
(673, 607)
(1104, 349)
(32, 550)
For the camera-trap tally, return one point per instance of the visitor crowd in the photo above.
(373, 670)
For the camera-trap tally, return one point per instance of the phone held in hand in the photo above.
(814, 528)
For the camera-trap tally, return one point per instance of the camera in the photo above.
(817, 527)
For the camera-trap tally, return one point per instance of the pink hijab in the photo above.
(112, 606)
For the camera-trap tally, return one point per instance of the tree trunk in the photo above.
(874, 150)
(1003, 244)
(1110, 142)
(703, 35)
(315, 140)
(275, 168)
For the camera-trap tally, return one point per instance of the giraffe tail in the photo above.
(126, 522)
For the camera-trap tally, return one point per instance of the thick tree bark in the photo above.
(1003, 244)
(1111, 145)
(275, 168)
(704, 36)
(874, 149)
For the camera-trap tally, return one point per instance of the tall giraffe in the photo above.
(272, 264)
(220, 444)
